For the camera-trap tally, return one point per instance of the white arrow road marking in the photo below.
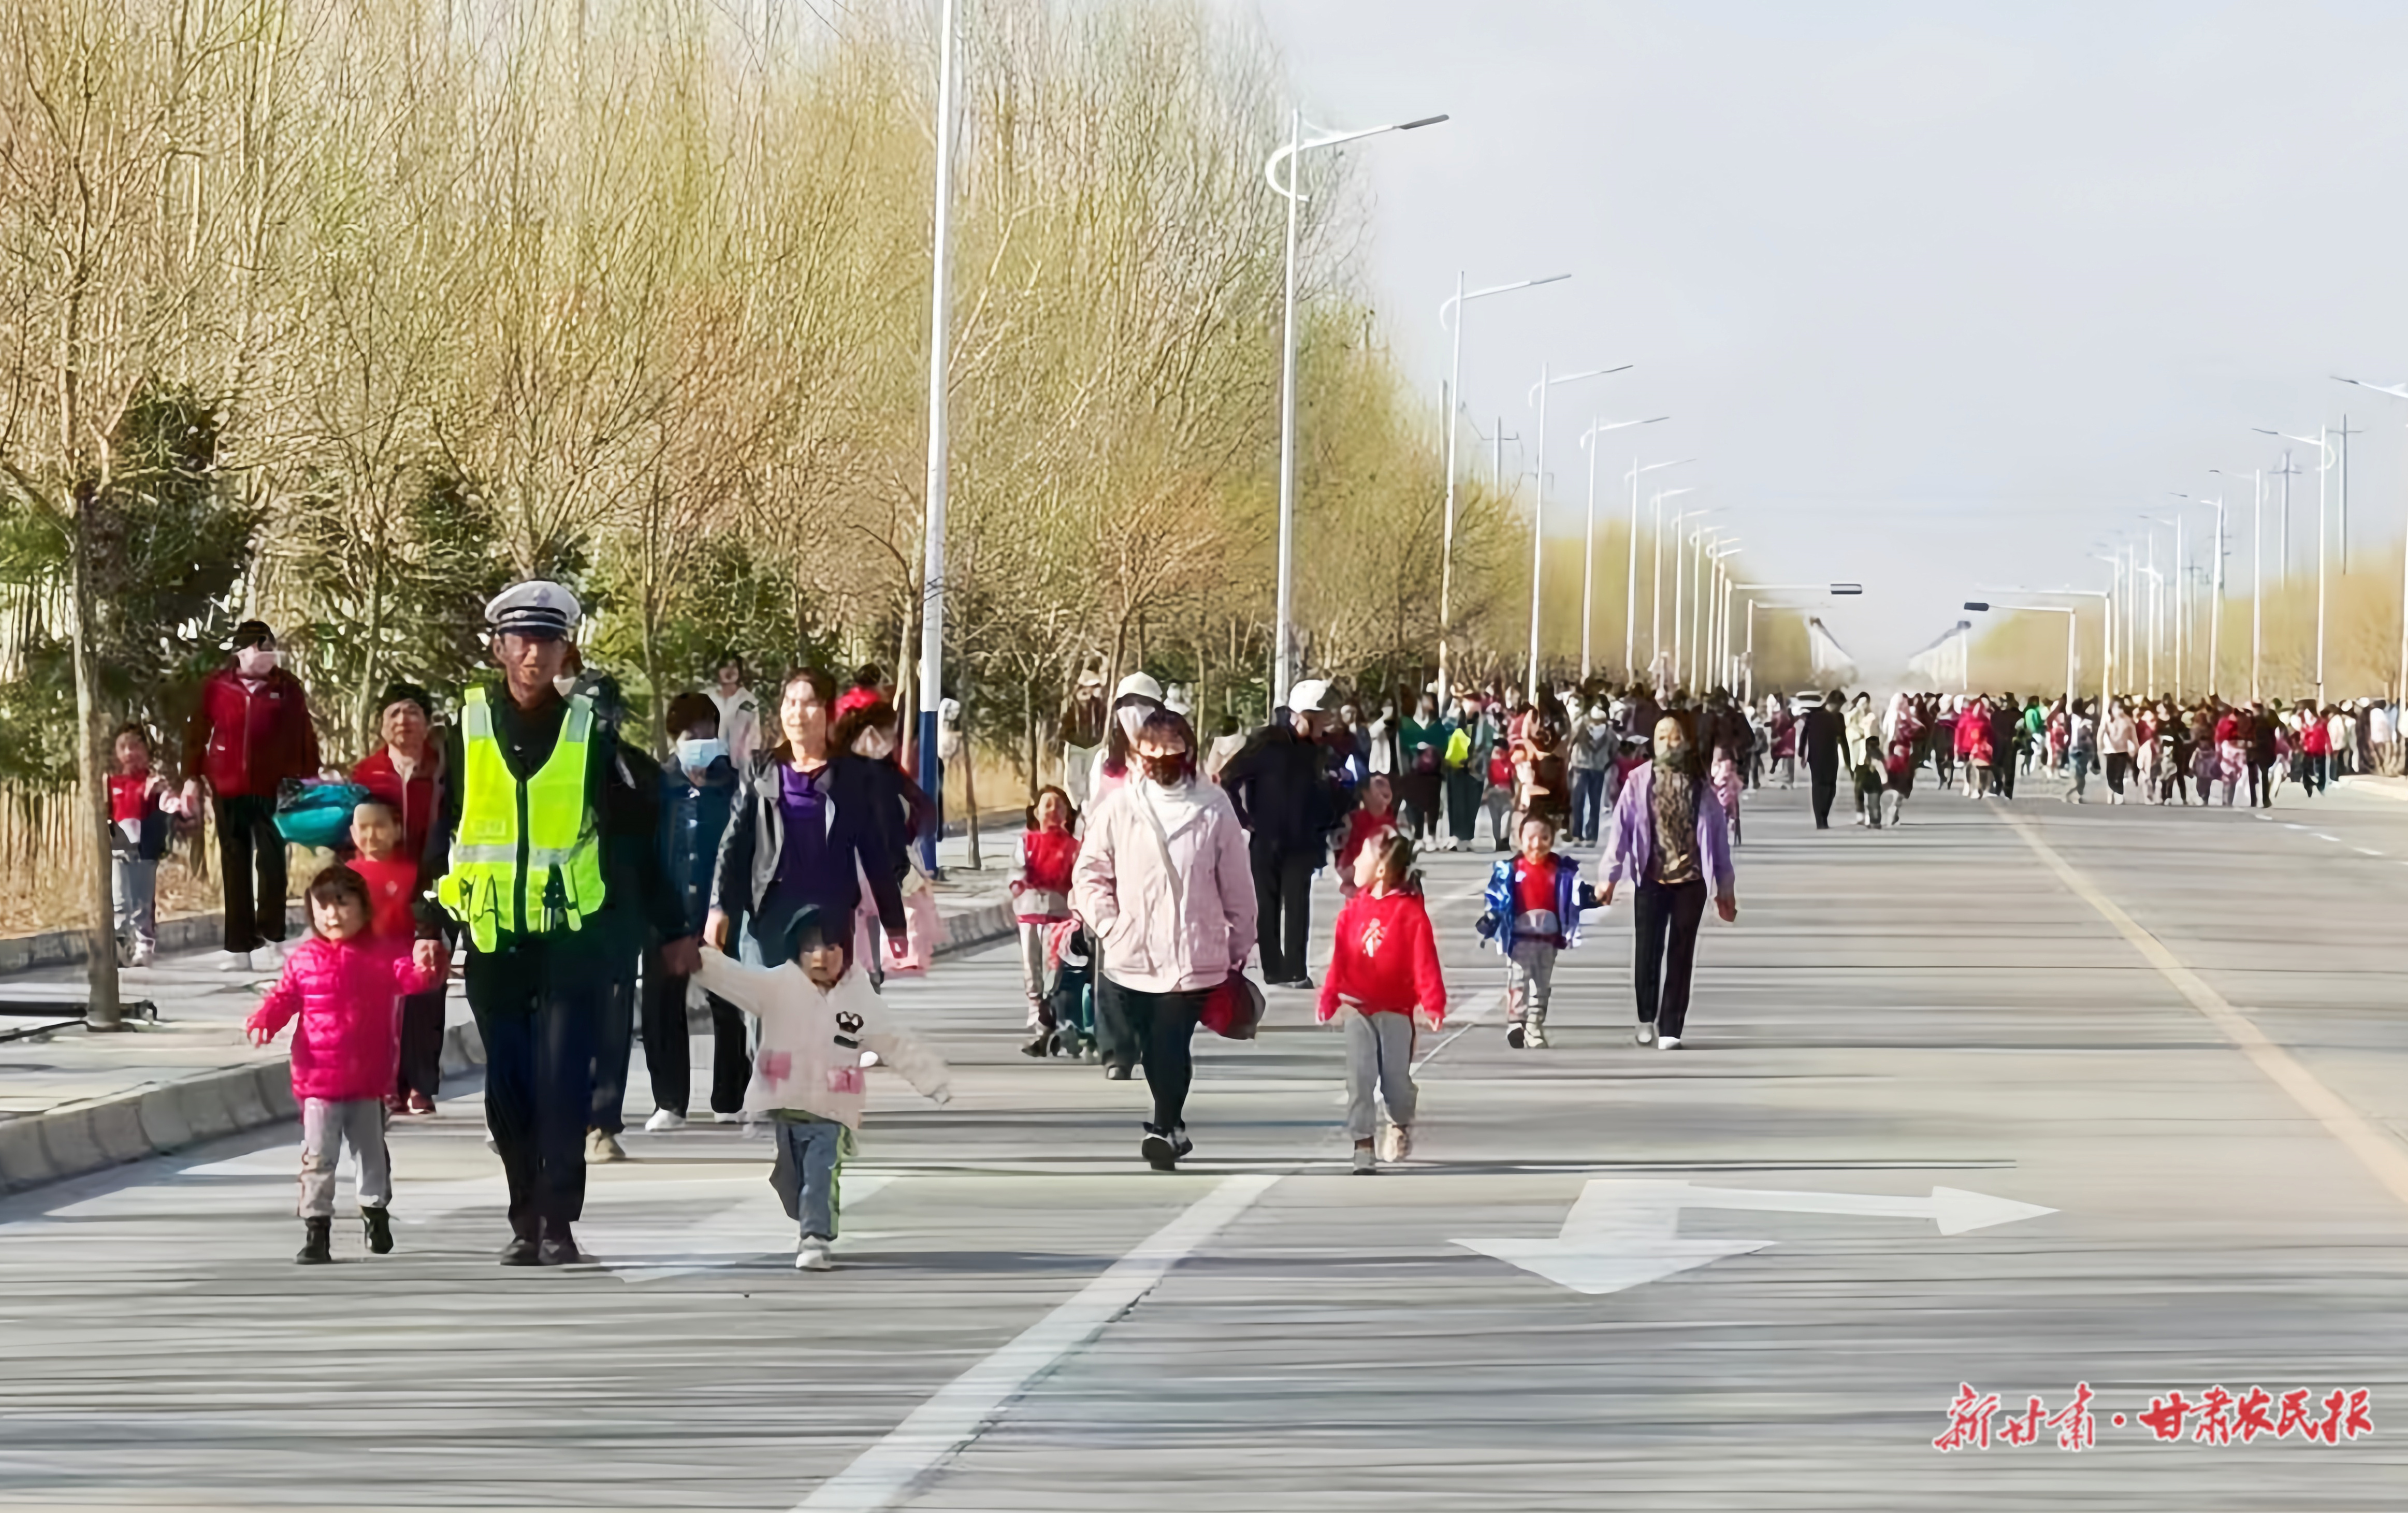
(1622, 1234)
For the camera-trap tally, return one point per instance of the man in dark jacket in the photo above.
(2006, 738)
(249, 733)
(1822, 733)
(539, 819)
(1289, 801)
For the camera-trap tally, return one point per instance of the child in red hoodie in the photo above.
(1040, 899)
(1382, 975)
(1374, 815)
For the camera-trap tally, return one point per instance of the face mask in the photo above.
(1132, 719)
(255, 661)
(874, 744)
(1167, 771)
(1670, 753)
(695, 752)
(566, 684)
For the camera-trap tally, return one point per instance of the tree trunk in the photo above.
(100, 958)
(969, 793)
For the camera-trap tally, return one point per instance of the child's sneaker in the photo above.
(378, 1225)
(317, 1242)
(1366, 1164)
(814, 1254)
(1513, 1036)
(1534, 1035)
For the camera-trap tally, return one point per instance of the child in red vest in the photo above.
(1384, 976)
(391, 873)
(1374, 815)
(1040, 899)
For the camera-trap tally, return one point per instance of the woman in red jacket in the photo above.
(249, 732)
(1383, 974)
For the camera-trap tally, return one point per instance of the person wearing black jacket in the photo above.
(2007, 736)
(1289, 801)
(538, 976)
(1822, 733)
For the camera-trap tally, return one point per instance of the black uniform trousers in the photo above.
(536, 1002)
(1827, 788)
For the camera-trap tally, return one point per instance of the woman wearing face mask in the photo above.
(804, 832)
(1669, 841)
(249, 730)
(1164, 882)
(1135, 697)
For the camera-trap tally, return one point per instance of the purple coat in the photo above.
(1632, 844)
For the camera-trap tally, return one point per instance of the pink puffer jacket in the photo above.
(348, 994)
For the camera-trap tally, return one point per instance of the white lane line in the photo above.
(2366, 851)
(2321, 835)
(2384, 1157)
(947, 1424)
(1479, 1012)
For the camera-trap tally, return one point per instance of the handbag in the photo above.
(1233, 1010)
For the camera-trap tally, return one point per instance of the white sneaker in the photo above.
(1400, 1143)
(232, 961)
(663, 1121)
(1647, 1034)
(717, 1117)
(1534, 1035)
(814, 1254)
(1366, 1164)
(268, 957)
(141, 953)
(1669, 1042)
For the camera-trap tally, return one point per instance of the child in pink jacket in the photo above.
(346, 987)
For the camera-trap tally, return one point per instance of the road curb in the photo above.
(162, 1117)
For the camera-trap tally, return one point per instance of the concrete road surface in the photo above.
(2021, 1098)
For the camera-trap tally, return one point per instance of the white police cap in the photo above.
(534, 608)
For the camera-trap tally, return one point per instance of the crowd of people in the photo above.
(761, 879)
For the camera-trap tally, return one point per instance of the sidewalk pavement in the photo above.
(73, 1101)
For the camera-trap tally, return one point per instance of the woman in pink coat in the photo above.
(1164, 883)
(346, 988)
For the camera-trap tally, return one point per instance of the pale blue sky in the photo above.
(1940, 293)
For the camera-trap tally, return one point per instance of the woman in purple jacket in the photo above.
(1670, 838)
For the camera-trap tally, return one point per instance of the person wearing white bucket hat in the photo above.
(1289, 802)
(1134, 697)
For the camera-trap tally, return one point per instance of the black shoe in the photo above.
(559, 1247)
(1116, 1072)
(378, 1225)
(1160, 1151)
(521, 1252)
(1301, 983)
(1513, 1035)
(317, 1242)
(1041, 1047)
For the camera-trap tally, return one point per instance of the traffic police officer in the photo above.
(517, 844)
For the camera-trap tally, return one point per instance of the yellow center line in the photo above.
(2382, 1156)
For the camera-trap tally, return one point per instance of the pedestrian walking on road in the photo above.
(395, 880)
(1670, 844)
(1290, 802)
(2119, 735)
(817, 1016)
(1164, 883)
(249, 732)
(1534, 902)
(142, 810)
(1383, 980)
(517, 844)
(345, 986)
(699, 789)
(1048, 851)
(1823, 733)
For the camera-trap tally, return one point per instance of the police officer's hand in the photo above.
(682, 956)
(427, 956)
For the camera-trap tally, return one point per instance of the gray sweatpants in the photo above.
(1035, 979)
(1529, 977)
(1379, 1052)
(134, 889)
(326, 1126)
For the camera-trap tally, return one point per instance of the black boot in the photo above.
(317, 1243)
(378, 1225)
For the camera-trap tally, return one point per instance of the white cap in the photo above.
(535, 607)
(1304, 698)
(1140, 685)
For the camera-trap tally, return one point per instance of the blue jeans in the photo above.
(811, 1155)
(1588, 797)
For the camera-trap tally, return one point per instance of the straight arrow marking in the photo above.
(1623, 1233)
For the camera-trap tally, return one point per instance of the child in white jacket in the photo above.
(817, 1017)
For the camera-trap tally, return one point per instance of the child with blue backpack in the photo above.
(1534, 903)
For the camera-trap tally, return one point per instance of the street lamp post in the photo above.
(1630, 583)
(1298, 145)
(2071, 618)
(1656, 594)
(1539, 507)
(2256, 573)
(1590, 441)
(1455, 398)
(2397, 391)
(932, 546)
(2323, 467)
(2215, 607)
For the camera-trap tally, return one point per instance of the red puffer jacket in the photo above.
(348, 995)
(245, 741)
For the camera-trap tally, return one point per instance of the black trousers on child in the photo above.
(1668, 915)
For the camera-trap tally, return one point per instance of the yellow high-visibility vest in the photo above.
(527, 859)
